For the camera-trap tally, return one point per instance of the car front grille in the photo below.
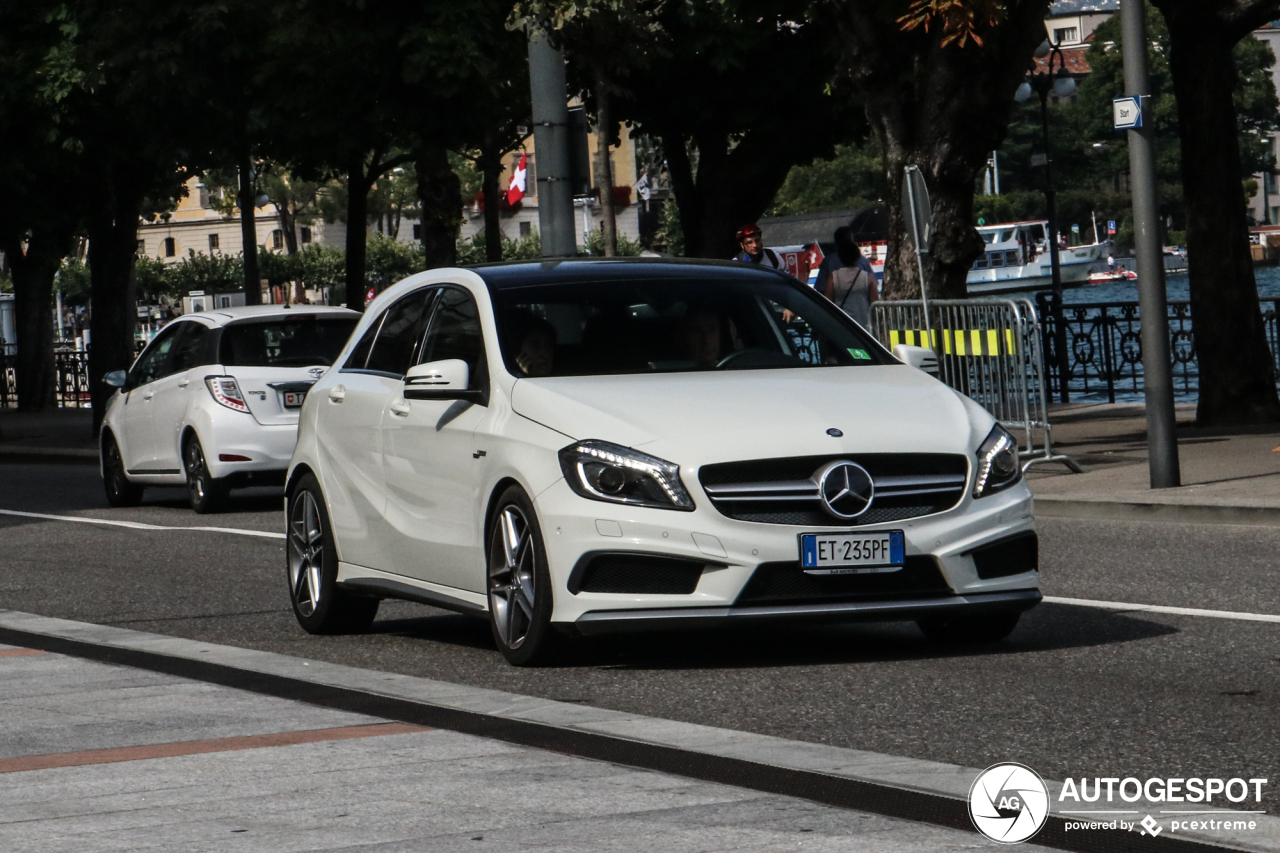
(787, 583)
(785, 491)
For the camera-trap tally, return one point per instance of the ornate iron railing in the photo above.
(1104, 348)
(71, 379)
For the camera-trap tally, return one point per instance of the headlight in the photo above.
(608, 472)
(998, 466)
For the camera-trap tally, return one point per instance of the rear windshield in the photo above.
(294, 342)
(674, 326)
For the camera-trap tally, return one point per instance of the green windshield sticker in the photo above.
(860, 354)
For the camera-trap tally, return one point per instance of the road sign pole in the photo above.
(915, 240)
(1162, 438)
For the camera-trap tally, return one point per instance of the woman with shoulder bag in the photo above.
(851, 287)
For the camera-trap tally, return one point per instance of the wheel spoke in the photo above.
(525, 600)
(512, 637)
(511, 537)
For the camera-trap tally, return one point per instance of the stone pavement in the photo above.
(58, 435)
(96, 757)
(1229, 475)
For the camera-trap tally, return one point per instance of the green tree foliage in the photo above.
(852, 179)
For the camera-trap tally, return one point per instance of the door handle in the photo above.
(400, 407)
(147, 396)
(183, 383)
(337, 394)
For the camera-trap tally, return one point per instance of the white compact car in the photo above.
(587, 446)
(213, 401)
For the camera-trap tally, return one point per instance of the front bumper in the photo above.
(608, 621)
(732, 551)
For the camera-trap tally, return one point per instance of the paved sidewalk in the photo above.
(1227, 474)
(63, 434)
(95, 757)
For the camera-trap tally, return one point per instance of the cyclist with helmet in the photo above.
(753, 250)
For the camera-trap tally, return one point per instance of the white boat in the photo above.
(1017, 258)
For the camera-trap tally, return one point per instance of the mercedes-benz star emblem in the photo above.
(846, 489)
(316, 372)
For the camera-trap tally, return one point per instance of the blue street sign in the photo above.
(1111, 226)
(1127, 112)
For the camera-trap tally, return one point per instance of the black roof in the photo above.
(556, 271)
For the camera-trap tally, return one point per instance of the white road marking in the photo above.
(1159, 608)
(137, 525)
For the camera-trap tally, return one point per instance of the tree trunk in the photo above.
(731, 189)
(1237, 381)
(249, 232)
(943, 109)
(33, 274)
(604, 171)
(492, 175)
(289, 225)
(358, 187)
(440, 194)
(113, 245)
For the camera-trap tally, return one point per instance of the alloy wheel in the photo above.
(306, 553)
(511, 577)
(197, 474)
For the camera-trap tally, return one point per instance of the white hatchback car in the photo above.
(600, 445)
(213, 401)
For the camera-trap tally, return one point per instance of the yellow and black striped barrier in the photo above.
(959, 341)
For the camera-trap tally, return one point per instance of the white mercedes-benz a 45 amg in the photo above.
(588, 446)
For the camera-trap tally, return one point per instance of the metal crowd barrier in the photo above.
(988, 349)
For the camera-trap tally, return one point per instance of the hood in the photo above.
(698, 418)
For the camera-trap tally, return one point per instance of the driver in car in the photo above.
(537, 351)
(699, 332)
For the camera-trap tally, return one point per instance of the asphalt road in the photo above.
(1075, 691)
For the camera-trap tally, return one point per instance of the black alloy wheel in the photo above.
(519, 582)
(206, 493)
(120, 491)
(311, 562)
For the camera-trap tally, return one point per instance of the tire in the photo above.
(120, 491)
(519, 582)
(986, 628)
(206, 493)
(311, 569)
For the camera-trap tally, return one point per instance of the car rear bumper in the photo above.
(609, 621)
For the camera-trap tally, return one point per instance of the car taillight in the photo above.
(225, 390)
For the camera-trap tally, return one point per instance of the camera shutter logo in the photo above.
(1008, 803)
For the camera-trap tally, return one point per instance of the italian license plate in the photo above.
(293, 399)
(851, 553)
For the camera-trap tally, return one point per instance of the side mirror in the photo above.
(917, 357)
(116, 378)
(439, 380)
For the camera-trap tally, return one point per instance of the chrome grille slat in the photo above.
(906, 486)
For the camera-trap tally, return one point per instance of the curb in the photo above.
(912, 789)
(1257, 516)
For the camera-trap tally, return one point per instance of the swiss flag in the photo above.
(515, 191)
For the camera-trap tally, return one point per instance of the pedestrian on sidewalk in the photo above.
(851, 287)
(832, 262)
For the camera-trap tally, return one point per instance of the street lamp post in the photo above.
(1063, 85)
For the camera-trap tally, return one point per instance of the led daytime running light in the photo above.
(634, 464)
(225, 390)
(999, 441)
(649, 481)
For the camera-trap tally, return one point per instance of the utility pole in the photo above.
(1162, 437)
(551, 145)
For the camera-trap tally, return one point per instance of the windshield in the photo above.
(610, 327)
(294, 342)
